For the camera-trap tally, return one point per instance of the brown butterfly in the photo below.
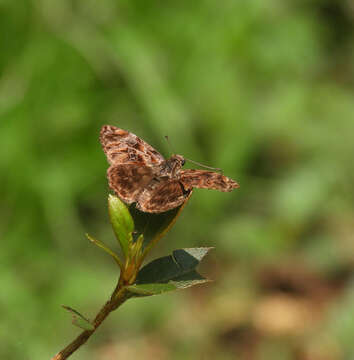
(140, 174)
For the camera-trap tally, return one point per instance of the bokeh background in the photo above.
(261, 89)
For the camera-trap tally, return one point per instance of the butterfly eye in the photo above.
(183, 162)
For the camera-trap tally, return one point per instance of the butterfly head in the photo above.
(172, 165)
(177, 160)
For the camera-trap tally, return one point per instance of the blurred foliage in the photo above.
(261, 89)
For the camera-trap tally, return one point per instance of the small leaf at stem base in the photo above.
(78, 319)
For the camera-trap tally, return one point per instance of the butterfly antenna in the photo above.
(169, 144)
(194, 162)
(204, 166)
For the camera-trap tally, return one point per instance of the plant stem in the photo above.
(118, 297)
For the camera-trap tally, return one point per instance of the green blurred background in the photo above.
(261, 89)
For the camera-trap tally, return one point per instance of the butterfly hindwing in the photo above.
(129, 180)
(163, 196)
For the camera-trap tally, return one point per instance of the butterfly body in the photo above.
(140, 174)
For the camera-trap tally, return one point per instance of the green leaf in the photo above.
(122, 222)
(101, 245)
(181, 282)
(176, 271)
(169, 267)
(190, 257)
(151, 289)
(78, 319)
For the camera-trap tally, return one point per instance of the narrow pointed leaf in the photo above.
(122, 222)
(192, 276)
(101, 245)
(78, 319)
(151, 289)
(184, 284)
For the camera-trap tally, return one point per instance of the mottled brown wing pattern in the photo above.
(206, 180)
(163, 196)
(140, 174)
(129, 180)
(123, 147)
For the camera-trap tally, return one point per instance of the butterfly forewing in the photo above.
(123, 147)
(206, 180)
